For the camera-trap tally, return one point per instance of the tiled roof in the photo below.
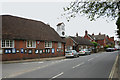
(26, 29)
(81, 41)
(99, 37)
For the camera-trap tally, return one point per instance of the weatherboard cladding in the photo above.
(17, 28)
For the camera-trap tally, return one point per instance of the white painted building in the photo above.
(61, 29)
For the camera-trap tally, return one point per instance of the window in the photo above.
(31, 44)
(48, 44)
(59, 45)
(7, 43)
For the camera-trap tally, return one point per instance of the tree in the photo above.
(94, 9)
(95, 44)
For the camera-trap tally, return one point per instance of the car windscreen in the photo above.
(68, 52)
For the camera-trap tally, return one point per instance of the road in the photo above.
(97, 65)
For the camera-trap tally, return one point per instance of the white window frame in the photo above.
(32, 44)
(9, 44)
(48, 43)
(59, 45)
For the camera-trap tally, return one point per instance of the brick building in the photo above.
(77, 43)
(25, 39)
(101, 39)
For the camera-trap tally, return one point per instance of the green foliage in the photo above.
(107, 46)
(119, 43)
(95, 44)
(95, 9)
(118, 26)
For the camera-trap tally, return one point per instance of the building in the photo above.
(101, 39)
(26, 39)
(61, 29)
(77, 43)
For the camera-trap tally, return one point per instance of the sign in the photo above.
(17, 51)
(30, 51)
(22, 50)
(43, 50)
(36, 51)
(40, 51)
(38, 42)
(6, 51)
(0, 51)
(13, 50)
(53, 50)
(48, 50)
(57, 49)
(9, 51)
(25, 50)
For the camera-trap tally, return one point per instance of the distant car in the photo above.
(85, 51)
(71, 53)
(110, 49)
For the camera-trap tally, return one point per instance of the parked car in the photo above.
(110, 49)
(71, 53)
(84, 51)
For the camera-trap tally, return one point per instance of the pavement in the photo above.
(38, 59)
(32, 60)
(89, 66)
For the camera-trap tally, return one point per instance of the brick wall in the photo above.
(22, 44)
(69, 42)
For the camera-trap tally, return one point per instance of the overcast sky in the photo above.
(49, 12)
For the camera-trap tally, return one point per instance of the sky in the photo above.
(50, 12)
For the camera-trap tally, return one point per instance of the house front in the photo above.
(101, 39)
(77, 43)
(27, 39)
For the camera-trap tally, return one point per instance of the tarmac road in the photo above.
(97, 65)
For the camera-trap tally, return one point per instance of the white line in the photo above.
(113, 69)
(90, 59)
(32, 62)
(57, 75)
(78, 65)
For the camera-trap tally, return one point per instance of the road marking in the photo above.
(78, 65)
(32, 62)
(113, 69)
(57, 76)
(90, 59)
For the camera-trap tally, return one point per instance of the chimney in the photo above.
(76, 34)
(92, 34)
(112, 38)
(86, 32)
(99, 33)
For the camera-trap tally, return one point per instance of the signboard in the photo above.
(0, 51)
(40, 51)
(48, 50)
(8, 51)
(17, 51)
(30, 51)
(43, 50)
(13, 50)
(22, 50)
(25, 50)
(53, 50)
(36, 51)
